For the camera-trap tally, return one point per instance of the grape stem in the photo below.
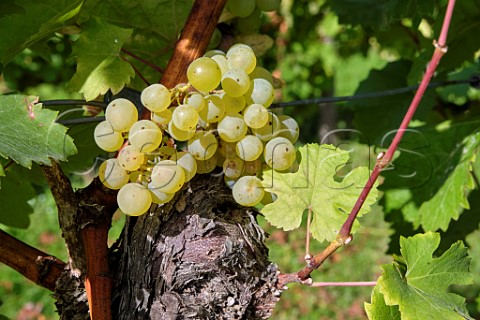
(383, 159)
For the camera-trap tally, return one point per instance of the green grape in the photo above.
(232, 128)
(251, 23)
(196, 100)
(187, 162)
(233, 104)
(158, 196)
(112, 175)
(206, 166)
(214, 52)
(253, 168)
(214, 111)
(121, 113)
(241, 56)
(263, 73)
(249, 148)
(179, 135)
(268, 5)
(130, 158)
(222, 62)
(134, 176)
(240, 8)
(270, 130)
(134, 199)
(288, 128)
(204, 74)
(185, 117)
(235, 82)
(167, 176)
(248, 191)
(279, 153)
(255, 116)
(156, 97)
(162, 117)
(145, 135)
(227, 149)
(106, 138)
(261, 91)
(202, 145)
(233, 168)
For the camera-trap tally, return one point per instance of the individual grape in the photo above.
(253, 168)
(167, 176)
(255, 116)
(134, 199)
(121, 114)
(241, 56)
(233, 104)
(232, 128)
(145, 135)
(204, 74)
(235, 82)
(248, 191)
(270, 130)
(227, 149)
(112, 175)
(268, 5)
(263, 73)
(185, 117)
(158, 196)
(251, 23)
(106, 138)
(162, 117)
(288, 128)
(241, 8)
(233, 167)
(261, 91)
(130, 158)
(214, 52)
(202, 145)
(187, 162)
(249, 148)
(156, 97)
(214, 111)
(206, 166)
(222, 62)
(279, 153)
(195, 99)
(179, 135)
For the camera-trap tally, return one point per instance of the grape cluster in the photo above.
(246, 15)
(220, 117)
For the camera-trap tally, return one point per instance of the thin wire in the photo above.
(73, 102)
(81, 120)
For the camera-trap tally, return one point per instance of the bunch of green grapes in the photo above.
(246, 15)
(221, 117)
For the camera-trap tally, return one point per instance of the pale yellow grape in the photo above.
(241, 56)
(204, 74)
(253, 168)
(279, 153)
(121, 114)
(162, 117)
(206, 166)
(202, 145)
(235, 82)
(158, 196)
(270, 130)
(222, 62)
(195, 99)
(106, 138)
(227, 149)
(233, 167)
(214, 111)
(185, 117)
(145, 135)
(232, 128)
(112, 175)
(233, 104)
(187, 162)
(249, 148)
(156, 97)
(260, 72)
(248, 191)
(255, 116)
(179, 135)
(167, 176)
(288, 128)
(130, 158)
(134, 199)
(214, 52)
(260, 91)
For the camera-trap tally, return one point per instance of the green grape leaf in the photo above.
(418, 283)
(32, 21)
(99, 67)
(29, 133)
(378, 310)
(316, 185)
(14, 194)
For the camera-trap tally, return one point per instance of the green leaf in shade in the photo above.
(418, 283)
(99, 67)
(29, 133)
(378, 310)
(36, 21)
(316, 185)
(14, 194)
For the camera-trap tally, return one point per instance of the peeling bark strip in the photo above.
(199, 257)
